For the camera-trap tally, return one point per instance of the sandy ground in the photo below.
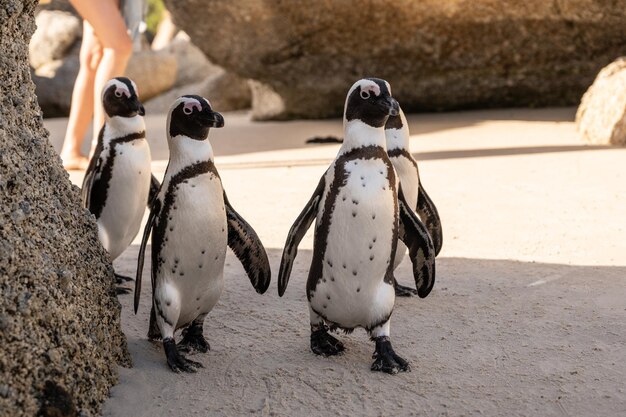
(528, 313)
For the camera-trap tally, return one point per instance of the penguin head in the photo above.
(370, 101)
(397, 131)
(119, 98)
(192, 116)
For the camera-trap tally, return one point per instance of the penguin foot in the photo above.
(324, 344)
(193, 341)
(404, 291)
(386, 359)
(176, 361)
(120, 279)
(122, 290)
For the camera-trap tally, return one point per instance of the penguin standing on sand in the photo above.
(360, 214)
(192, 223)
(118, 180)
(397, 135)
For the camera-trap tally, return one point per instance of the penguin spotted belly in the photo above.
(351, 291)
(195, 243)
(128, 191)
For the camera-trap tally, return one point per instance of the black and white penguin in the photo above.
(118, 180)
(192, 223)
(397, 135)
(360, 214)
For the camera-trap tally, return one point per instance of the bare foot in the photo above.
(74, 162)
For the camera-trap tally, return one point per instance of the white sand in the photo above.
(528, 313)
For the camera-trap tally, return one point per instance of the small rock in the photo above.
(601, 116)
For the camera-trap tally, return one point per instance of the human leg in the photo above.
(81, 109)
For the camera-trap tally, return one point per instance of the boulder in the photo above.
(225, 90)
(153, 71)
(192, 65)
(54, 83)
(601, 116)
(60, 336)
(56, 33)
(438, 55)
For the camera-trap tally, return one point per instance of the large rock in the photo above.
(438, 55)
(601, 116)
(225, 91)
(56, 33)
(192, 65)
(54, 83)
(60, 332)
(153, 71)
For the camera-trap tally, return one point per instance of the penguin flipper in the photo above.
(90, 174)
(142, 251)
(155, 186)
(247, 246)
(421, 250)
(296, 233)
(430, 216)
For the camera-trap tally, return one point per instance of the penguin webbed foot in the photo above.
(403, 290)
(193, 341)
(386, 360)
(122, 290)
(322, 343)
(120, 279)
(176, 361)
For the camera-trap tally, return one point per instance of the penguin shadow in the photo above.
(473, 303)
(487, 327)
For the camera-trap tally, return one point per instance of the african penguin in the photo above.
(397, 135)
(360, 214)
(192, 223)
(118, 180)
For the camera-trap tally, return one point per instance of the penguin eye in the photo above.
(118, 93)
(365, 95)
(187, 110)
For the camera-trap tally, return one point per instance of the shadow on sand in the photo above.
(495, 337)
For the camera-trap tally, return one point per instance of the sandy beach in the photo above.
(527, 316)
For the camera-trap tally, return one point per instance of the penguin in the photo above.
(397, 139)
(192, 223)
(118, 183)
(360, 213)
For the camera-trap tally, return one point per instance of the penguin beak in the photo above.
(137, 106)
(213, 119)
(390, 105)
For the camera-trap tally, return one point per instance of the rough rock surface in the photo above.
(437, 55)
(56, 32)
(601, 116)
(60, 331)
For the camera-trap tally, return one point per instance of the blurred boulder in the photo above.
(54, 83)
(192, 65)
(601, 116)
(56, 33)
(437, 55)
(225, 91)
(60, 335)
(154, 72)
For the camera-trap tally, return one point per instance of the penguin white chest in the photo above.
(127, 196)
(194, 246)
(351, 291)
